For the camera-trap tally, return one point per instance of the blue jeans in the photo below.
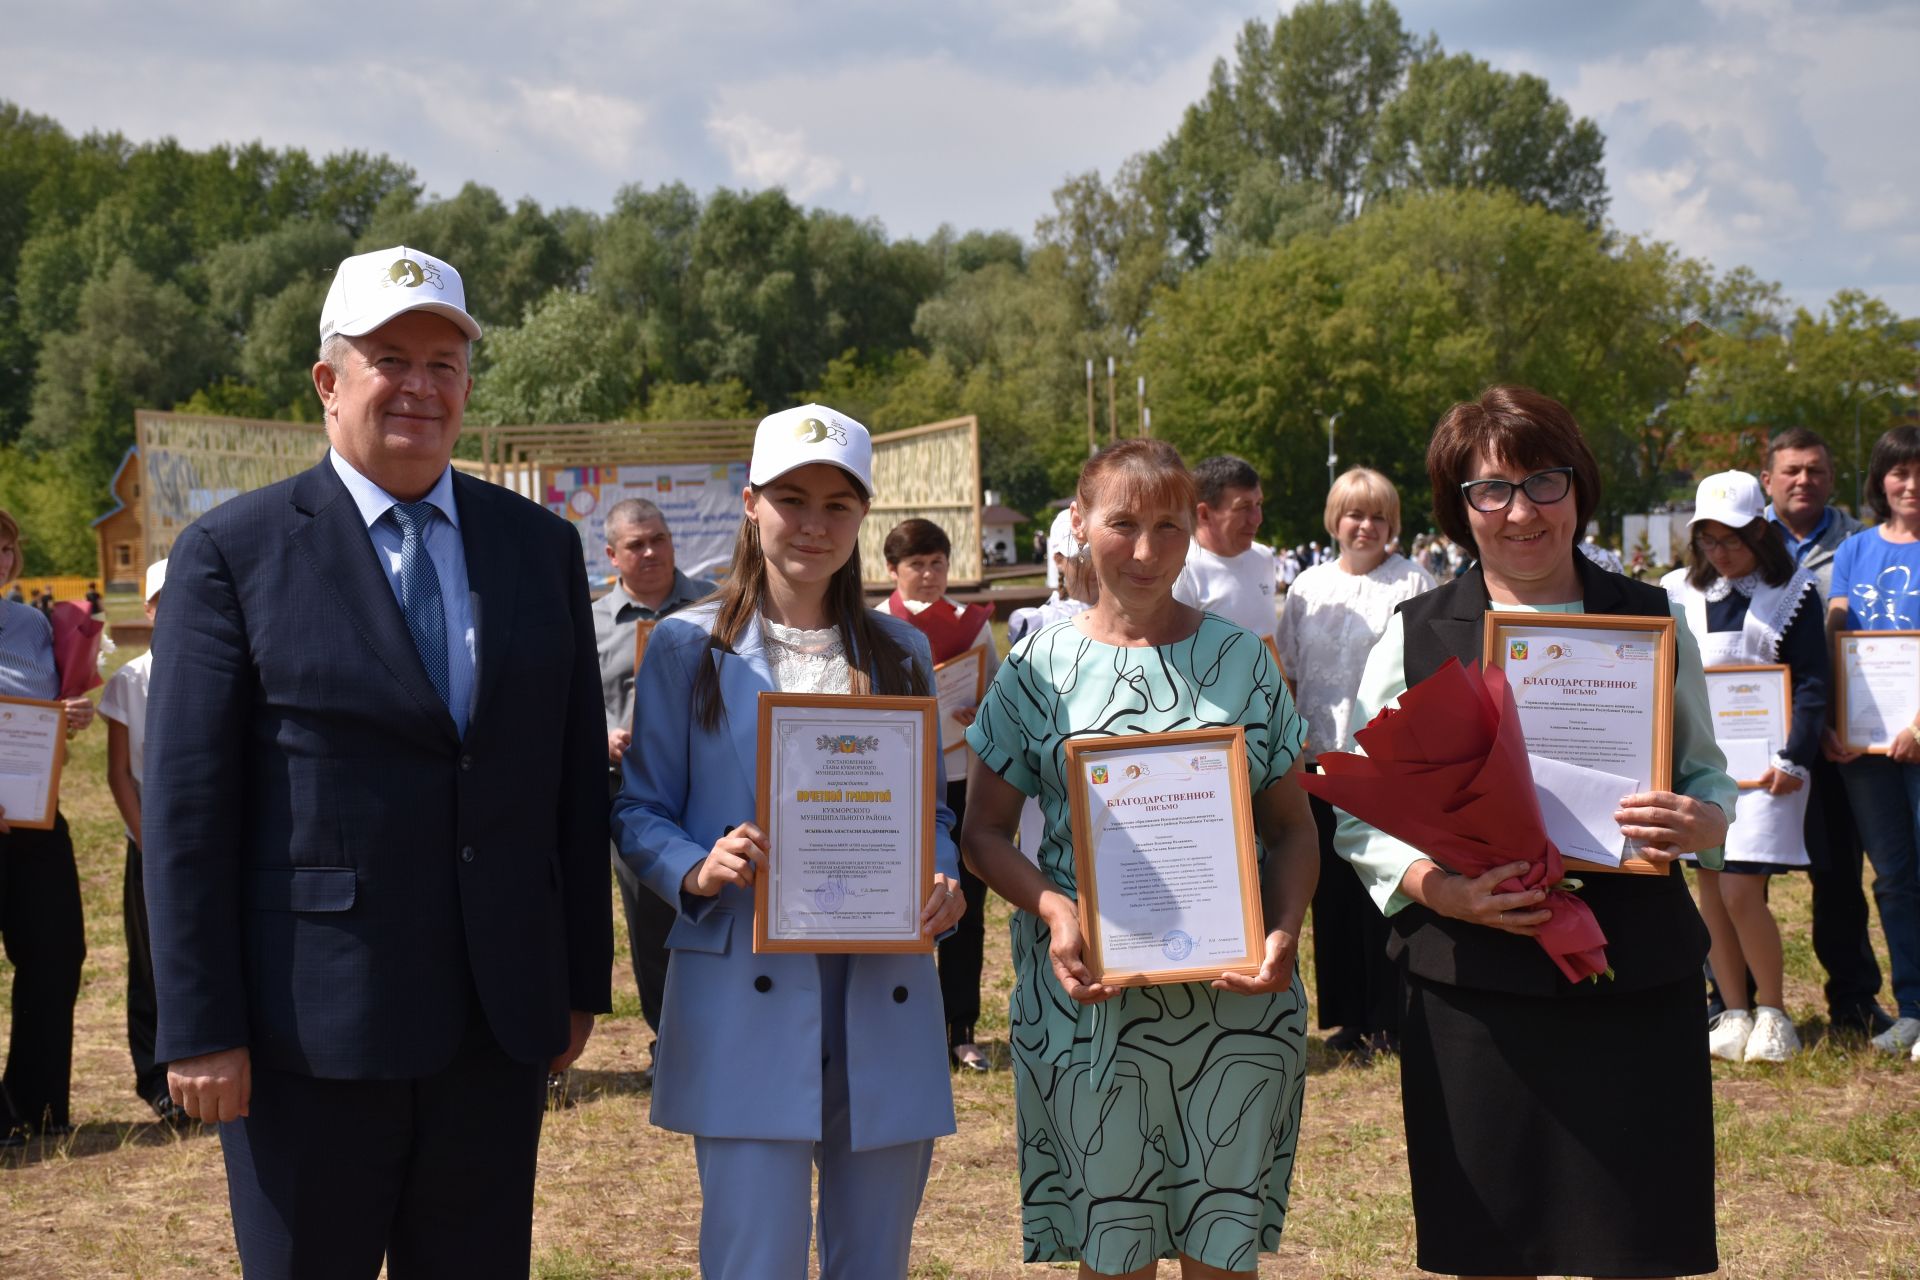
(1886, 804)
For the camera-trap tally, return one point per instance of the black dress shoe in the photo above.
(1865, 1021)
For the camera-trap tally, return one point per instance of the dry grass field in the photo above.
(1819, 1159)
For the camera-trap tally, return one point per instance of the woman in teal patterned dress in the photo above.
(1154, 1122)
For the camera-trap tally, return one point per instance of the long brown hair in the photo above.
(1761, 537)
(869, 646)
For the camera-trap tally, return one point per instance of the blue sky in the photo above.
(1766, 132)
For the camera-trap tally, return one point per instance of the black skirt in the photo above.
(1559, 1136)
(1356, 984)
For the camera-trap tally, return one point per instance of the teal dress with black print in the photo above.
(1164, 1120)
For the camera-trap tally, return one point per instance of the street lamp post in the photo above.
(1332, 457)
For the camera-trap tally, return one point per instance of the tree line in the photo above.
(1350, 223)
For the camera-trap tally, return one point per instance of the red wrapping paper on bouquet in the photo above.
(1447, 773)
(76, 648)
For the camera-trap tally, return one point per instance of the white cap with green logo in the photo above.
(370, 289)
(808, 434)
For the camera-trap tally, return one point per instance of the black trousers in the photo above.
(45, 939)
(326, 1178)
(964, 951)
(1355, 984)
(1839, 900)
(149, 1077)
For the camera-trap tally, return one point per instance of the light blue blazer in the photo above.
(740, 1036)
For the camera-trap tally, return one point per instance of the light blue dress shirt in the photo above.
(26, 653)
(449, 556)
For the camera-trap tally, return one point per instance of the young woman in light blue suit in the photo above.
(776, 1063)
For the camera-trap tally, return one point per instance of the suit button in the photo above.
(466, 763)
(899, 995)
(466, 854)
(763, 983)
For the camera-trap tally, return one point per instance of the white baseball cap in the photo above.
(1060, 543)
(1731, 497)
(811, 433)
(370, 289)
(156, 578)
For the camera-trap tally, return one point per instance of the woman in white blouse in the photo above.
(1333, 614)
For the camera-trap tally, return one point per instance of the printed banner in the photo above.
(701, 503)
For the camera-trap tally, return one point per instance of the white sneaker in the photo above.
(1773, 1038)
(1727, 1035)
(1901, 1037)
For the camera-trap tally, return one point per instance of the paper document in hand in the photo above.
(1577, 805)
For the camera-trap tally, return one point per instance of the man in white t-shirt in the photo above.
(1227, 572)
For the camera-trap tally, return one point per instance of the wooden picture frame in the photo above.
(1846, 644)
(1083, 756)
(36, 729)
(832, 716)
(1757, 671)
(957, 665)
(1508, 636)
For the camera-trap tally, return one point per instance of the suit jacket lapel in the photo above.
(334, 542)
(1459, 628)
(744, 675)
(492, 579)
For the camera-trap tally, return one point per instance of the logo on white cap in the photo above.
(1732, 498)
(369, 289)
(807, 434)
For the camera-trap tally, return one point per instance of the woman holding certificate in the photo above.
(1748, 608)
(39, 885)
(778, 1060)
(1155, 1120)
(1876, 588)
(1552, 1127)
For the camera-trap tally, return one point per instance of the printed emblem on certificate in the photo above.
(1595, 695)
(958, 684)
(1878, 679)
(1164, 857)
(33, 737)
(1752, 709)
(846, 798)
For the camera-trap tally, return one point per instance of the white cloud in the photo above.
(763, 156)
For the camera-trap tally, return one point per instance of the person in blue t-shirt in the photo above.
(1876, 587)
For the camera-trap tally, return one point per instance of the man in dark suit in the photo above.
(376, 819)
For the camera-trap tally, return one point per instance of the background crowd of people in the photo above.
(366, 885)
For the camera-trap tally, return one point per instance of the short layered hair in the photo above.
(1798, 438)
(1898, 447)
(1139, 470)
(1517, 426)
(1362, 489)
(916, 537)
(1212, 477)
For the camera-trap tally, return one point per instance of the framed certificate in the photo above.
(33, 740)
(958, 685)
(1594, 691)
(1752, 709)
(1877, 687)
(1164, 856)
(846, 798)
(642, 632)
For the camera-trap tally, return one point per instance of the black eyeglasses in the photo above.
(1542, 488)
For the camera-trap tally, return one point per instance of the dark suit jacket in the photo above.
(333, 875)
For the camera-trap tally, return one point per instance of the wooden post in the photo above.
(1113, 428)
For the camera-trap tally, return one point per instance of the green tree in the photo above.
(572, 359)
(1459, 123)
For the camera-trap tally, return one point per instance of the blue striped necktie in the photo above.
(420, 593)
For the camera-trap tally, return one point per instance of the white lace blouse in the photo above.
(806, 661)
(1329, 622)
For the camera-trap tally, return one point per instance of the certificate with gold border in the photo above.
(1593, 690)
(846, 798)
(1752, 709)
(1165, 863)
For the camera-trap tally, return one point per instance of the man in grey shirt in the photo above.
(649, 587)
